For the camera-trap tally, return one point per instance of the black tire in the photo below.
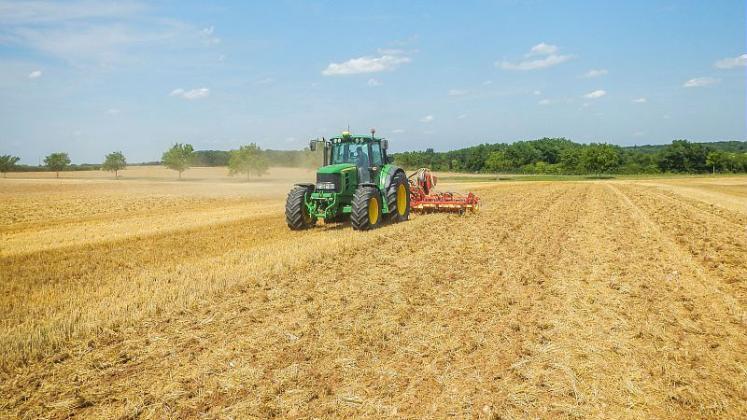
(360, 217)
(296, 214)
(395, 215)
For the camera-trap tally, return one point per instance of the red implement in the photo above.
(424, 200)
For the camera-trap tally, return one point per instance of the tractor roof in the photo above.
(354, 138)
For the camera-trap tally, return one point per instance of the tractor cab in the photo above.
(367, 153)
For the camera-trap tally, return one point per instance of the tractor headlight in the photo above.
(325, 186)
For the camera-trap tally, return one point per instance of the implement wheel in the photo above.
(366, 211)
(296, 214)
(398, 199)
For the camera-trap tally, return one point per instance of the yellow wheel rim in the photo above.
(401, 200)
(373, 210)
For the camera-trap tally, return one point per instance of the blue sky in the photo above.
(91, 77)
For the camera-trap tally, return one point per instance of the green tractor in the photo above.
(357, 182)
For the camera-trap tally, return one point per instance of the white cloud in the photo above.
(542, 49)
(374, 82)
(730, 63)
(457, 92)
(549, 61)
(537, 92)
(595, 94)
(190, 94)
(640, 100)
(487, 83)
(595, 73)
(427, 119)
(367, 64)
(461, 116)
(35, 74)
(700, 82)
(546, 51)
(544, 102)
(265, 81)
(398, 131)
(208, 30)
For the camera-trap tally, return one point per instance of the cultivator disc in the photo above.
(424, 200)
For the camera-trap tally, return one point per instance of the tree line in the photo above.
(249, 160)
(543, 156)
(563, 156)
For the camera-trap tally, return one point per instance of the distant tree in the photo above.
(601, 158)
(7, 163)
(179, 157)
(57, 162)
(248, 160)
(497, 162)
(683, 156)
(114, 162)
(570, 160)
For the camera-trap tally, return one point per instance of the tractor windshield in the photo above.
(356, 154)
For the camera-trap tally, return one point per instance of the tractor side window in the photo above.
(376, 154)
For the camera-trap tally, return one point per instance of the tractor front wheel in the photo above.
(296, 213)
(366, 208)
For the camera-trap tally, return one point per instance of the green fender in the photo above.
(385, 179)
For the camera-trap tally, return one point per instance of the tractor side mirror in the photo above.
(385, 144)
(312, 145)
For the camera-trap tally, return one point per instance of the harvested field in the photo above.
(148, 298)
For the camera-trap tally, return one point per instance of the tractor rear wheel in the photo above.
(398, 199)
(366, 208)
(296, 213)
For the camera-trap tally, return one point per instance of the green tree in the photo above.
(179, 157)
(497, 162)
(601, 158)
(7, 163)
(248, 160)
(114, 162)
(683, 156)
(57, 162)
(713, 159)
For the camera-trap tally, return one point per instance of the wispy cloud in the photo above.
(730, 63)
(700, 82)
(389, 60)
(427, 119)
(596, 94)
(640, 100)
(190, 94)
(208, 37)
(548, 54)
(544, 102)
(458, 92)
(595, 73)
(92, 32)
(36, 12)
(461, 116)
(537, 92)
(374, 82)
(35, 74)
